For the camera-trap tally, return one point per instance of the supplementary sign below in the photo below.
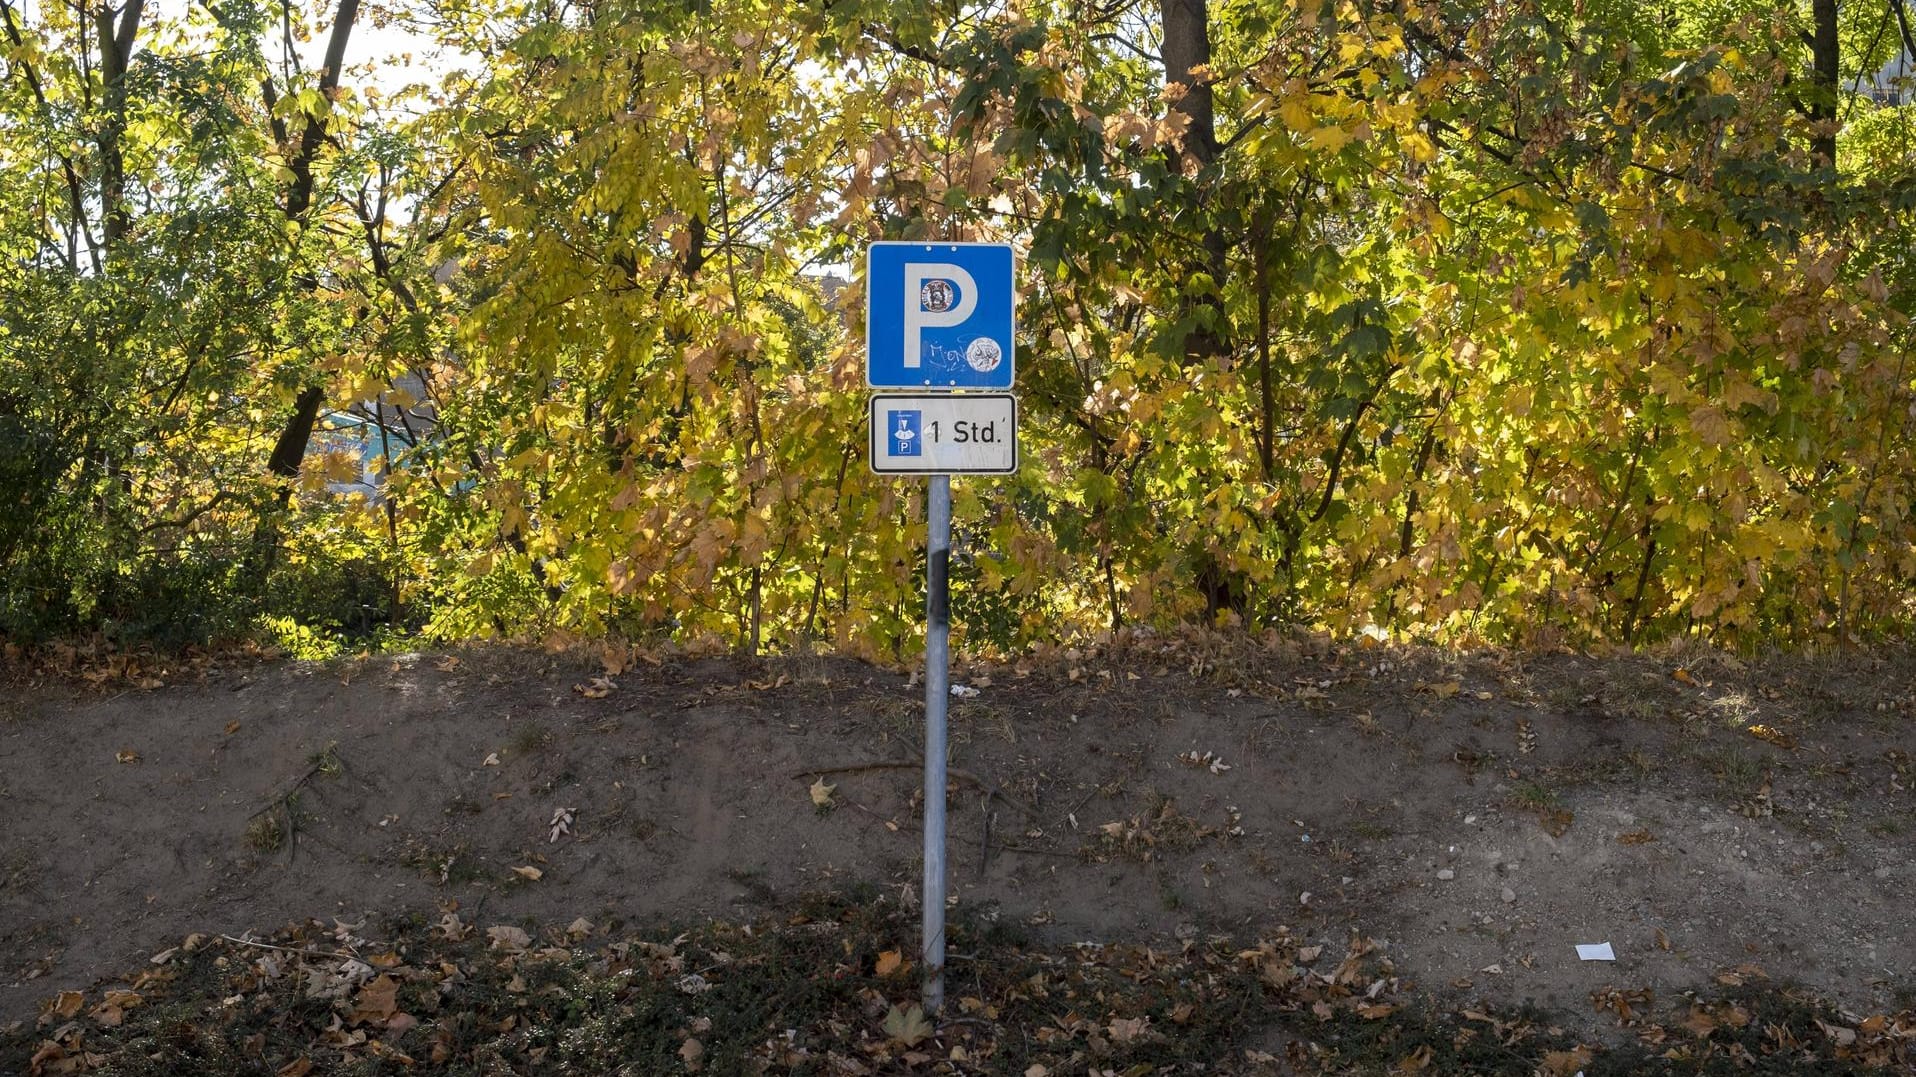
(939, 316)
(944, 433)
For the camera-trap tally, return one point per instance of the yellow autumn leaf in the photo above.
(1330, 138)
(1296, 112)
(822, 793)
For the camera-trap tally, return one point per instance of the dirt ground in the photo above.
(1478, 814)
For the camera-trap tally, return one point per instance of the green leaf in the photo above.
(908, 1026)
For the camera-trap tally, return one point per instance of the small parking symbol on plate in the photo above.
(906, 439)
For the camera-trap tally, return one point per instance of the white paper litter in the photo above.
(1595, 951)
(963, 691)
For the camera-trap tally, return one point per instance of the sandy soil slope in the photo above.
(1480, 814)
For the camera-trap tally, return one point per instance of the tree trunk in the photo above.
(290, 447)
(1824, 63)
(1187, 47)
(116, 54)
(1187, 78)
(1187, 59)
(1261, 262)
(299, 197)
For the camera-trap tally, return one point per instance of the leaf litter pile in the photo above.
(832, 988)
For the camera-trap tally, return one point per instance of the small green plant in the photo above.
(1149, 836)
(17, 871)
(529, 739)
(1638, 708)
(1735, 770)
(301, 642)
(326, 761)
(1534, 796)
(266, 834)
(1168, 895)
(447, 865)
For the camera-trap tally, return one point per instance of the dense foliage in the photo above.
(1525, 320)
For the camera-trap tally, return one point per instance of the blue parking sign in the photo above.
(940, 316)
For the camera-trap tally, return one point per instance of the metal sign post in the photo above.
(937, 696)
(940, 320)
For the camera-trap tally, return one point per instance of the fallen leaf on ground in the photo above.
(527, 871)
(890, 962)
(822, 793)
(1566, 1063)
(1415, 1062)
(597, 688)
(127, 755)
(377, 1001)
(907, 1026)
(1840, 1036)
(112, 1008)
(507, 937)
(1556, 822)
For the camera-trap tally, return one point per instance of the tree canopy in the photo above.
(1528, 321)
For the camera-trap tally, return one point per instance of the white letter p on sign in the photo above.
(929, 306)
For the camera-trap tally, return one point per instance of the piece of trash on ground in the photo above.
(963, 691)
(1595, 951)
